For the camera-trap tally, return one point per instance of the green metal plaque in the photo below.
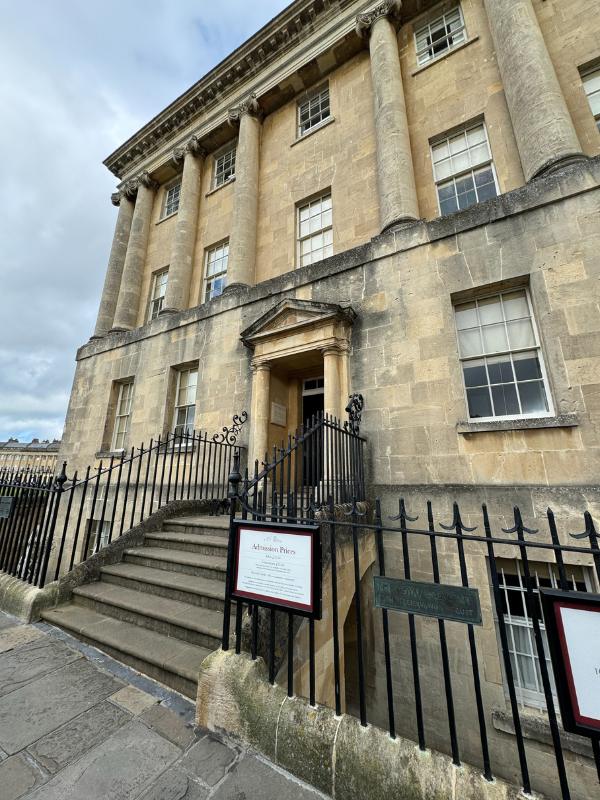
(456, 603)
(6, 505)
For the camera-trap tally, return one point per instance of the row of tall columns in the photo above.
(543, 128)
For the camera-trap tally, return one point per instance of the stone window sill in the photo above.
(537, 728)
(225, 183)
(169, 216)
(445, 55)
(531, 423)
(312, 130)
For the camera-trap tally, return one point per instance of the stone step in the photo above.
(192, 589)
(198, 626)
(218, 526)
(178, 561)
(192, 542)
(170, 661)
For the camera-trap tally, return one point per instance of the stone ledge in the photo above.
(312, 130)
(537, 728)
(228, 182)
(335, 754)
(532, 423)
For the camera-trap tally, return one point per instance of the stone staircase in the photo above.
(161, 609)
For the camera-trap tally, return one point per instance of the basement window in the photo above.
(439, 35)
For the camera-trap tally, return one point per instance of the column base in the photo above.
(235, 287)
(120, 330)
(401, 222)
(563, 161)
(96, 336)
(164, 312)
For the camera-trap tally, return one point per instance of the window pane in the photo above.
(479, 403)
(475, 374)
(466, 316)
(470, 342)
(520, 333)
(527, 366)
(505, 399)
(490, 310)
(475, 135)
(500, 369)
(494, 338)
(533, 397)
(448, 206)
(515, 305)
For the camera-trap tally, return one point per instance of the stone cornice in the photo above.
(389, 8)
(296, 23)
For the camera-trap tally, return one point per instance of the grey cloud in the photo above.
(76, 80)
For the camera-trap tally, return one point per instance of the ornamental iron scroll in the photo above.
(229, 435)
(354, 410)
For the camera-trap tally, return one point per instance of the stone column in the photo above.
(184, 239)
(395, 173)
(242, 241)
(128, 303)
(541, 121)
(333, 375)
(261, 412)
(112, 281)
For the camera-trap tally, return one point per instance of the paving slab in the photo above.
(208, 759)
(175, 785)
(30, 661)
(121, 768)
(133, 700)
(252, 778)
(65, 745)
(19, 775)
(170, 725)
(6, 621)
(17, 635)
(43, 705)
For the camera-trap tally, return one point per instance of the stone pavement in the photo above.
(77, 725)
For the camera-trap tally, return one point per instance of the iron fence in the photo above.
(444, 554)
(57, 521)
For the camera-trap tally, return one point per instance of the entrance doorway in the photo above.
(313, 406)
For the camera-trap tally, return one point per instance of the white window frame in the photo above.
(319, 388)
(122, 414)
(173, 187)
(422, 55)
(315, 95)
(586, 76)
(155, 303)
(223, 273)
(482, 357)
(534, 698)
(189, 426)
(104, 535)
(300, 239)
(471, 170)
(228, 153)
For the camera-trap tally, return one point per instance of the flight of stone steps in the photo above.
(161, 609)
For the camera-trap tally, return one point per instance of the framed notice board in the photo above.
(278, 566)
(573, 628)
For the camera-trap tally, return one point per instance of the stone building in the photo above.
(401, 201)
(36, 456)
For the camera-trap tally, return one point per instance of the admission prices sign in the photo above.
(278, 566)
(573, 627)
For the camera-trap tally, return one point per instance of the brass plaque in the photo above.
(456, 603)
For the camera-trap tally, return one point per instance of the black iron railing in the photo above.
(55, 522)
(517, 559)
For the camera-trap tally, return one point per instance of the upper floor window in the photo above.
(171, 201)
(185, 401)
(224, 167)
(216, 270)
(157, 293)
(122, 415)
(463, 169)
(518, 619)
(503, 367)
(315, 230)
(591, 83)
(439, 35)
(313, 111)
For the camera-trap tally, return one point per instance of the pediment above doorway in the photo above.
(292, 317)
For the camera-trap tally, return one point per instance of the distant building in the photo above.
(36, 455)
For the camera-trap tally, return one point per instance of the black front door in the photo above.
(313, 406)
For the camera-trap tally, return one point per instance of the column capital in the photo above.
(249, 105)
(335, 349)
(260, 366)
(192, 146)
(388, 8)
(145, 179)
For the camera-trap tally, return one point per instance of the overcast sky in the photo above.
(77, 78)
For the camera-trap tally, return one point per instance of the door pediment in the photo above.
(290, 316)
